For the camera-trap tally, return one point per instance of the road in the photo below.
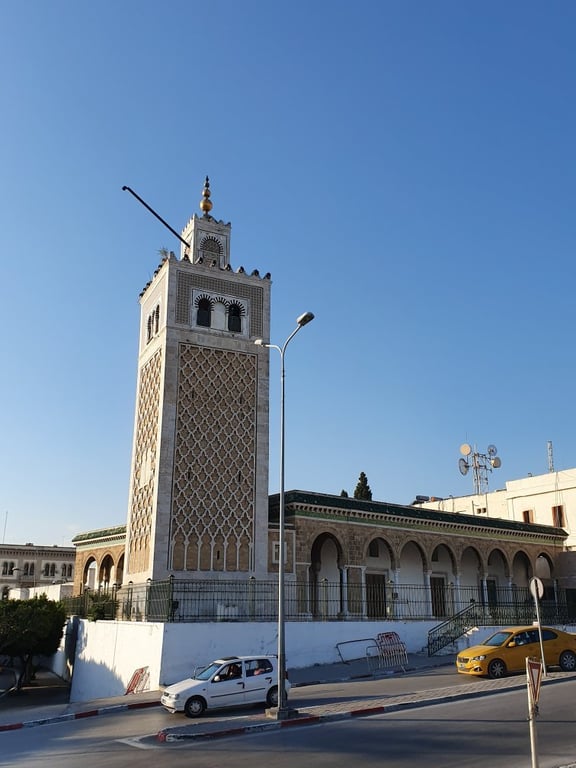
(489, 731)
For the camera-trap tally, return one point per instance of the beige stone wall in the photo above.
(103, 554)
(353, 540)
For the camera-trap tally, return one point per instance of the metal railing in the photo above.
(507, 611)
(189, 600)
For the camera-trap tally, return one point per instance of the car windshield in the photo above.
(498, 638)
(207, 672)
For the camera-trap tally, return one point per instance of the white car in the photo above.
(230, 682)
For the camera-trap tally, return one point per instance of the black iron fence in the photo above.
(183, 600)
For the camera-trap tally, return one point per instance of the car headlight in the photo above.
(478, 658)
(173, 696)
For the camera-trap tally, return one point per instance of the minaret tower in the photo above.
(198, 502)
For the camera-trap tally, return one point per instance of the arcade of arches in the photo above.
(395, 554)
(99, 559)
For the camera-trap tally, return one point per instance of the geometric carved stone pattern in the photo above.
(212, 526)
(187, 281)
(147, 423)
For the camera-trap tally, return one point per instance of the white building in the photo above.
(548, 499)
(25, 566)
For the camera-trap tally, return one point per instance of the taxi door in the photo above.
(515, 658)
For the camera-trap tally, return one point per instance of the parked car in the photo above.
(229, 682)
(506, 651)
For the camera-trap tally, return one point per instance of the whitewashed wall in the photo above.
(109, 652)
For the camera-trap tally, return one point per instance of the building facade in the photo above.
(99, 559)
(24, 566)
(547, 499)
(406, 561)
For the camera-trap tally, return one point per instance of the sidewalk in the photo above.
(47, 701)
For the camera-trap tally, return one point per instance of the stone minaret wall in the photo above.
(199, 481)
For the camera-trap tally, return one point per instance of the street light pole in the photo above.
(282, 710)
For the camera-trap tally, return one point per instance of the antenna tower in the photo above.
(550, 457)
(480, 464)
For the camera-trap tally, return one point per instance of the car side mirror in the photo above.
(511, 644)
(216, 679)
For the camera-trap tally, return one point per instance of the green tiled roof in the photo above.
(102, 533)
(408, 513)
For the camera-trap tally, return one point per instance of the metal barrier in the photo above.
(356, 651)
(139, 681)
(387, 652)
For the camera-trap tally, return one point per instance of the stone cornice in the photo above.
(346, 510)
(117, 533)
(33, 550)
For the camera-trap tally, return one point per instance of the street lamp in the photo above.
(282, 710)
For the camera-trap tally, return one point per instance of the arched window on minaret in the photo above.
(211, 250)
(203, 316)
(234, 318)
(156, 318)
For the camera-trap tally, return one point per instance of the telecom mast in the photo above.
(480, 463)
(550, 457)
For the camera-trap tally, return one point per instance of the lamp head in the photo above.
(259, 342)
(304, 319)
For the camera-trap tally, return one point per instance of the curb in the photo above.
(78, 715)
(411, 702)
(166, 736)
(111, 708)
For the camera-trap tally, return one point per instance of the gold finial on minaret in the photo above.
(206, 203)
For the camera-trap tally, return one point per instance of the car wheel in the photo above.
(568, 661)
(496, 669)
(194, 707)
(272, 697)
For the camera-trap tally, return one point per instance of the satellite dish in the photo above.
(463, 466)
(465, 449)
(496, 463)
(492, 450)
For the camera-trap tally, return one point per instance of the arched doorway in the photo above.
(326, 594)
(89, 578)
(106, 573)
(379, 585)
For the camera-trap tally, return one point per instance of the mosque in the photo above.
(199, 511)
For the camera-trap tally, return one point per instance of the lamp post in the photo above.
(282, 709)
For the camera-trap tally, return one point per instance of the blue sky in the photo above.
(405, 170)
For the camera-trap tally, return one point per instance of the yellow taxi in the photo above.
(506, 651)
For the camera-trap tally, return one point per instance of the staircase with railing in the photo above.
(451, 630)
(502, 615)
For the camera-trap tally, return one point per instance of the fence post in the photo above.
(170, 607)
(324, 584)
(252, 597)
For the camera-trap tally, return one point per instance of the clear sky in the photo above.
(405, 170)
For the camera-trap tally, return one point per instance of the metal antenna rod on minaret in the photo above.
(145, 204)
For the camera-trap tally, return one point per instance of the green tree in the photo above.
(30, 628)
(344, 493)
(362, 490)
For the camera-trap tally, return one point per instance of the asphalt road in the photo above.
(490, 731)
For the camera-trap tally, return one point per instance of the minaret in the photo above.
(198, 502)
